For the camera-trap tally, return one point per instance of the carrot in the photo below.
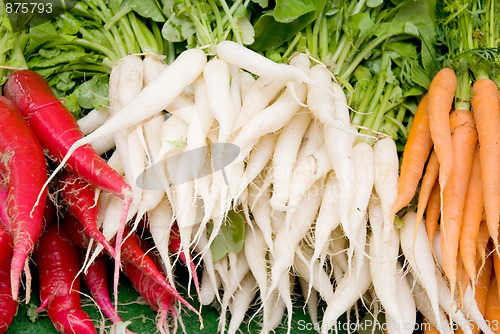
(482, 241)
(473, 213)
(441, 94)
(433, 212)
(464, 141)
(8, 305)
(80, 199)
(496, 265)
(415, 154)
(492, 313)
(23, 169)
(485, 103)
(426, 186)
(57, 259)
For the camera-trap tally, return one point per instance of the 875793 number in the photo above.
(28, 7)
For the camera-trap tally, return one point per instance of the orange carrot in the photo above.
(428, 181)
(441, 94)
(473, 214)
(496, 266)
(485, 103)
(433, 212)
(415, 154)
(492, 313)
(428, 328)
(482, 241)
(464, 141)
(481, 287)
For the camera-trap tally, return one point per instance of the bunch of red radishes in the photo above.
(34, 125)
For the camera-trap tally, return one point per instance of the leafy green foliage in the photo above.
(230, 238)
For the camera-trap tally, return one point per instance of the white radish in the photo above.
(328, 217)
(419, 256)
(153, 65)
(217, 81)
(273, 309)
(347, 293)
(243, 57)
(284, 157)
(255, 249)
(362, 156)
(94, 119)
(246, 82)
(241, 303)
(259, 95)
(386, 178)
(288, 237)
(315, 276)
(383, 264)
(275, 116)
(311, 298)
(182, 72)
(312, 168)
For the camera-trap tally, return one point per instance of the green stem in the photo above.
(377, 123)
(360, 115)
(365, 52)
(232, 24)
(97, 47)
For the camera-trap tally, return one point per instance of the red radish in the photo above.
(8, 305)
(157, 297)
(56, 129)
(4, 217)
(80, 198)
(131, 252)
(174, 244)
(24, 171)
(5, 245)
(96, 280)
(58, 262)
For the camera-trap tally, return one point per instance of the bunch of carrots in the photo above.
(453, 152)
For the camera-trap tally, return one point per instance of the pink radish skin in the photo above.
(57, 259)
(24, 172)
(8, 306)
(80, 199)
(158, 298)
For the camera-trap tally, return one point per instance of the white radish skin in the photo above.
(308, 171)
(347, 293)
(339, 143)
(241, 303)
(386, 178)
(172, 133)
(261, 211)
(153, 65)
(246, 81)
(284, 157)
(94, 119)
(104, 144)
(288, 237)
(328, 217)
(337, 253)
(256, 63)
(423, 304)
(160, 222)
(311, 298)
(255, 248)
(383, 264)
(320, 281)
(217, 78)
(235, 89)
(275, 116)
(406, 301)
(259, 96)
(320, 103)
(257, 161)
(419, 256)
(273, 309)
(182, 72)
(209, 273)
(362, 156)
